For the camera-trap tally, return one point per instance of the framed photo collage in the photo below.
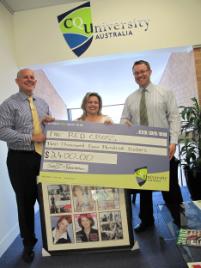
(81, 217)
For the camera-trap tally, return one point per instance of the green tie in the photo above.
(143, 109)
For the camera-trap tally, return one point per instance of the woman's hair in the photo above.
(77, 187)
(85, 100)
(88, 216)
(68, 218)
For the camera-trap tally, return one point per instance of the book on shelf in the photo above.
(189, 237)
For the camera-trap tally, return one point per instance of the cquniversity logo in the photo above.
(141, 175)
(76, 26)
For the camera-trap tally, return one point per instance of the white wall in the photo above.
(8, 68)
(173, 23)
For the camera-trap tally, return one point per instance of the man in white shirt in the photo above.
(161, 111)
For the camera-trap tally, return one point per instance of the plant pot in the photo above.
(193, 180)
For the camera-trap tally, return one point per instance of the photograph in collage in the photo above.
(86, 227)
(111, 225)
(62, 229)
(59, 198)
(83, 199)
(107, 198)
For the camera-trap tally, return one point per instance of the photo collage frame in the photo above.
(83, 217)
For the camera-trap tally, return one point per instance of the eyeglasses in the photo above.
(140, 72)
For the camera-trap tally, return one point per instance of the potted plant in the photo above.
(190, 147)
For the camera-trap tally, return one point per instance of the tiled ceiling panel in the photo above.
(19, 5)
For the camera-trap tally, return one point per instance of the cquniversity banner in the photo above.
(106, 155)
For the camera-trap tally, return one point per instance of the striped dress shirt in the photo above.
(16, 124)
(161, 108)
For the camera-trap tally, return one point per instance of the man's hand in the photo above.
(38, 137)
(172, 149)
(47, 119)
(128, 123)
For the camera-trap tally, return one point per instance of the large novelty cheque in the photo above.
(106, 155)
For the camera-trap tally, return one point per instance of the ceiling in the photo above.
(18, 5)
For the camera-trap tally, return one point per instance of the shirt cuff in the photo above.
(27, 139)
(173, 140)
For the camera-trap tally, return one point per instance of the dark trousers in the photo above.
(173, 198)
(23, 168)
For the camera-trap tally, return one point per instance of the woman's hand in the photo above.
(108, 122)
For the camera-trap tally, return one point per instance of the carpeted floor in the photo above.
(154, 252)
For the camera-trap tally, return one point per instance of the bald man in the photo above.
(23, 162)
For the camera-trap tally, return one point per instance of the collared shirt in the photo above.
(63, 237)
(16, 125)
(161, 107)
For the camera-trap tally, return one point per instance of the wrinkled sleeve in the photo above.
(173, 118)
(126, 117)
(7, 127)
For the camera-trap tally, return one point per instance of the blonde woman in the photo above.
(92, 106)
